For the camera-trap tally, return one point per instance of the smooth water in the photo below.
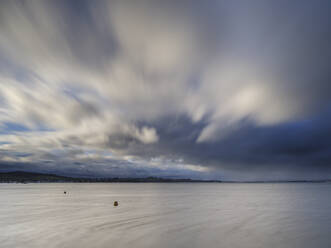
(165, 215)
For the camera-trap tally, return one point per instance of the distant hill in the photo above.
(26, 177)
(21, 176)
(33, 177)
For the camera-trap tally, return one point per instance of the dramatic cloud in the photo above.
(212, 89)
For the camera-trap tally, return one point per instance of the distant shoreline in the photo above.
(32, 177)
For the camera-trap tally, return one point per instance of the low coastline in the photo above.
(33, 177)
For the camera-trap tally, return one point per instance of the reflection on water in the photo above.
(165, 215)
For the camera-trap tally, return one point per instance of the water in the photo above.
(165, 215)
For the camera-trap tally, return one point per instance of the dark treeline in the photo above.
(32, 177)
(26, 177)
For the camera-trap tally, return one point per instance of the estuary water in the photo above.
(166, 215)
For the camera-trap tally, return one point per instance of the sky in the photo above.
(230, 90)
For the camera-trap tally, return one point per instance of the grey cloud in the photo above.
(184, 82)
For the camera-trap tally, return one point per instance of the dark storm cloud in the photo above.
(299, 149)
(238, 89)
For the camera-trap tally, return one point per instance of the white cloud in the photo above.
(97, 82)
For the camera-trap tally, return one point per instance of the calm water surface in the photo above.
(165, 215)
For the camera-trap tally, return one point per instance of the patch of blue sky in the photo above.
(13, 127)
(9, 127)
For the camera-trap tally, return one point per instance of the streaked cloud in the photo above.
(181, 87)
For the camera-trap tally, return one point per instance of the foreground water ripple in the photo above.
(165, 215)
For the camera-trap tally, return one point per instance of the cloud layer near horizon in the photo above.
(225, 89)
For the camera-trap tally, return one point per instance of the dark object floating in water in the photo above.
(65, 192)
(115, 203)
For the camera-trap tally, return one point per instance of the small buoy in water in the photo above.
(64, 192)
(115, 203)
